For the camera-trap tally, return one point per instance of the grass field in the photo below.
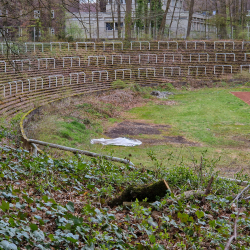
(213, 122)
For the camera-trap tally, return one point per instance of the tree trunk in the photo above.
(163, 21)
(128, 19)
(150, 192)
(231, 16)
(113, 18)
(223, 25)
(119, 17)
(146, 23)
(89, 20)
(97, 19)
(179, 16)
(217, 13)
(190, 17)
(170, 25)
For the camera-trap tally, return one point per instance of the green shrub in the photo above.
(119, 84)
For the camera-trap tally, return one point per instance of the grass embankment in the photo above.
(204, 120)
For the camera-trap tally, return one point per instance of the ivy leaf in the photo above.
(51, 236)
(7, 245)
(39, 235)
(45, 198)
(152, 238)
(5, 205)
(33, 227)
(70, 206)
(199, 214)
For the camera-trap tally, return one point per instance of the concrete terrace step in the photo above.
(27, 102)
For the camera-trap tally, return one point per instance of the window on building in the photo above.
(110, 26)
(52, 14)
(52, 31)
(36, 14)
(116, 26)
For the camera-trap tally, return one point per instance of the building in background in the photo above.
(103, 21)
(35, 20)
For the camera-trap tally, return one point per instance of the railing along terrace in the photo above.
(168, 42)
(86, 45)
(56, 77)
(241, 67)
(224, 43)
(173, 57)
(118, 42)
(34, 46)
(223, 68)
(146, 69)
(100, 74)
(195, 44)
(199, 56)
(97, 59)
(140, 42)
(46, 60)
(172, 70)
(60, 45)
(78, 74)
(148, 56)
(123, 72)
(197, 69)
(5, 69)
(245, 56)
(71, 58)
(35, 79)
(225, 56)
(117, 45)
(22, 61)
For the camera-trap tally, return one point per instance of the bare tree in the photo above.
(118, 17)
(97, 20)
(163, 21)
(223, 23)
(128, 19)
(171, 22)
(190, 17)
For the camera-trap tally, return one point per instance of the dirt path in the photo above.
(244, 96)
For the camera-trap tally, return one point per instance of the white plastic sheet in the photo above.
(120, 141)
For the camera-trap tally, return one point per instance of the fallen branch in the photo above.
(240, 194)
(234, 236)
(188, 194)
(239, 182)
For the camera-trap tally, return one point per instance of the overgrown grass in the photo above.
(210, 116)
(213, 118)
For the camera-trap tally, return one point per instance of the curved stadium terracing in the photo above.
(36, 73)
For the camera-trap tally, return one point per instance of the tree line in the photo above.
(230, 17)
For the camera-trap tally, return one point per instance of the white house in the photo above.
(84, 24)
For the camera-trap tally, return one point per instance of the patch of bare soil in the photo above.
(126, 99)
(128, 128)
(134, 128)
(170, 139)
(244, 139)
